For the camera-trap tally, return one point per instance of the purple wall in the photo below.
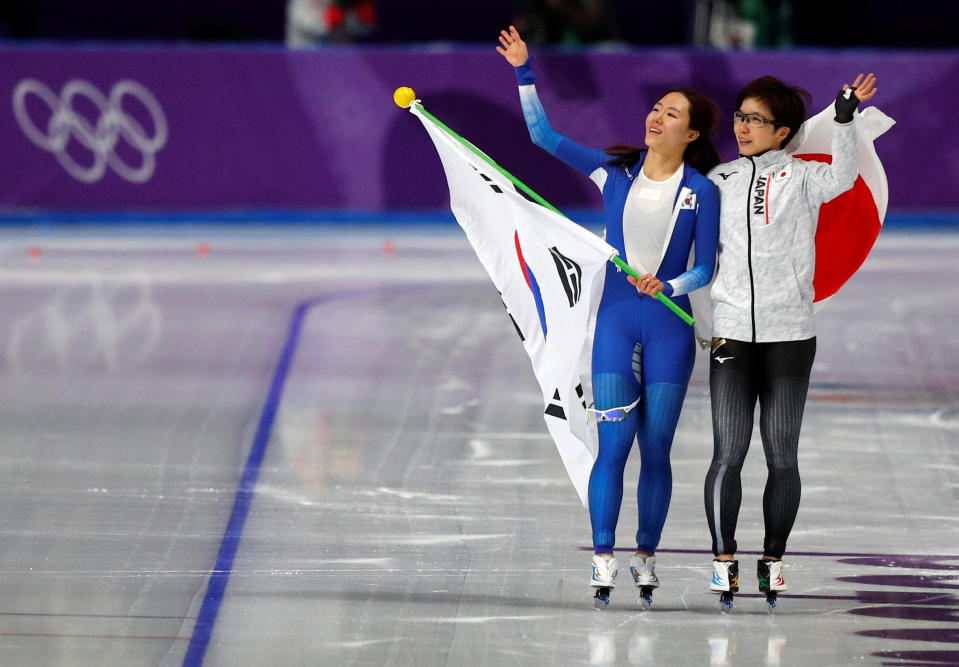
(318, 129)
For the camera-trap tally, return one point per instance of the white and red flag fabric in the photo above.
(549, 272)
(850, 223)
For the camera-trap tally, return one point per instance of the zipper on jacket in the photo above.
(749, 248)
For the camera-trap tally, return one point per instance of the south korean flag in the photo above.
(550, 273)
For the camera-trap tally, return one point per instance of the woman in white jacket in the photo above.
(764, 338)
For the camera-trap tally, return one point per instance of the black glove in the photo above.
(846, 103)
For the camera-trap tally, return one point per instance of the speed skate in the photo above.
(603, 579)
(643, 569)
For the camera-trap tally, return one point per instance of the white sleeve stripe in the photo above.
(599, 177)
(689, 281)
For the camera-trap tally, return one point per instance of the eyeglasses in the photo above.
(752, 119)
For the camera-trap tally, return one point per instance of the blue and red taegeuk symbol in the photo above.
(531, 283)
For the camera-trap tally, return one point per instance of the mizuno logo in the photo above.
(725, 176)
(723, 359)
(718, 580)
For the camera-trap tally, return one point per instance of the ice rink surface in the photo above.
(325, 446)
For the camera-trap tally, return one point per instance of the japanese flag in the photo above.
(850, 223)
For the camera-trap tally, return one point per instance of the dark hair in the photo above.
(701, 154)
(787, 104)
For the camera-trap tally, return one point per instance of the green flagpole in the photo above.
(406, 98)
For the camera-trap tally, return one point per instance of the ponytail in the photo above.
(702, 155)
(703, 118)
(623, 155)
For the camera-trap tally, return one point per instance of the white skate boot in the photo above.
(771, 582)
(725, 581)
(643, 569)
(603, 580)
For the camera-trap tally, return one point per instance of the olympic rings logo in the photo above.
(94, 322)
(102, 138)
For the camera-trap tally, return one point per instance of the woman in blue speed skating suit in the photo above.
(658, 207)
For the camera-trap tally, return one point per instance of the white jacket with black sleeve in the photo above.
(769, 208)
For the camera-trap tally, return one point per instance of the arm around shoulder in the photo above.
(707, 229)
(706, 241)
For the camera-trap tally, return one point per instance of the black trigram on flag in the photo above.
(570, 275)
(555, 407)
(497, 189)
(512, 319)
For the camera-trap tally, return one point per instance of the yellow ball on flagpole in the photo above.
(404, 97)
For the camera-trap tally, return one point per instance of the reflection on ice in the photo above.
(93, 324)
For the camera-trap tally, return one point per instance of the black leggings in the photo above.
(778, 375)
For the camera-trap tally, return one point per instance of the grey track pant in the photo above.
(777, 374)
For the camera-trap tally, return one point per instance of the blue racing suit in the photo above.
(641, 349)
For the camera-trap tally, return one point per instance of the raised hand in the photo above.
(861, 90)
(513, 47)
(864, 88)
